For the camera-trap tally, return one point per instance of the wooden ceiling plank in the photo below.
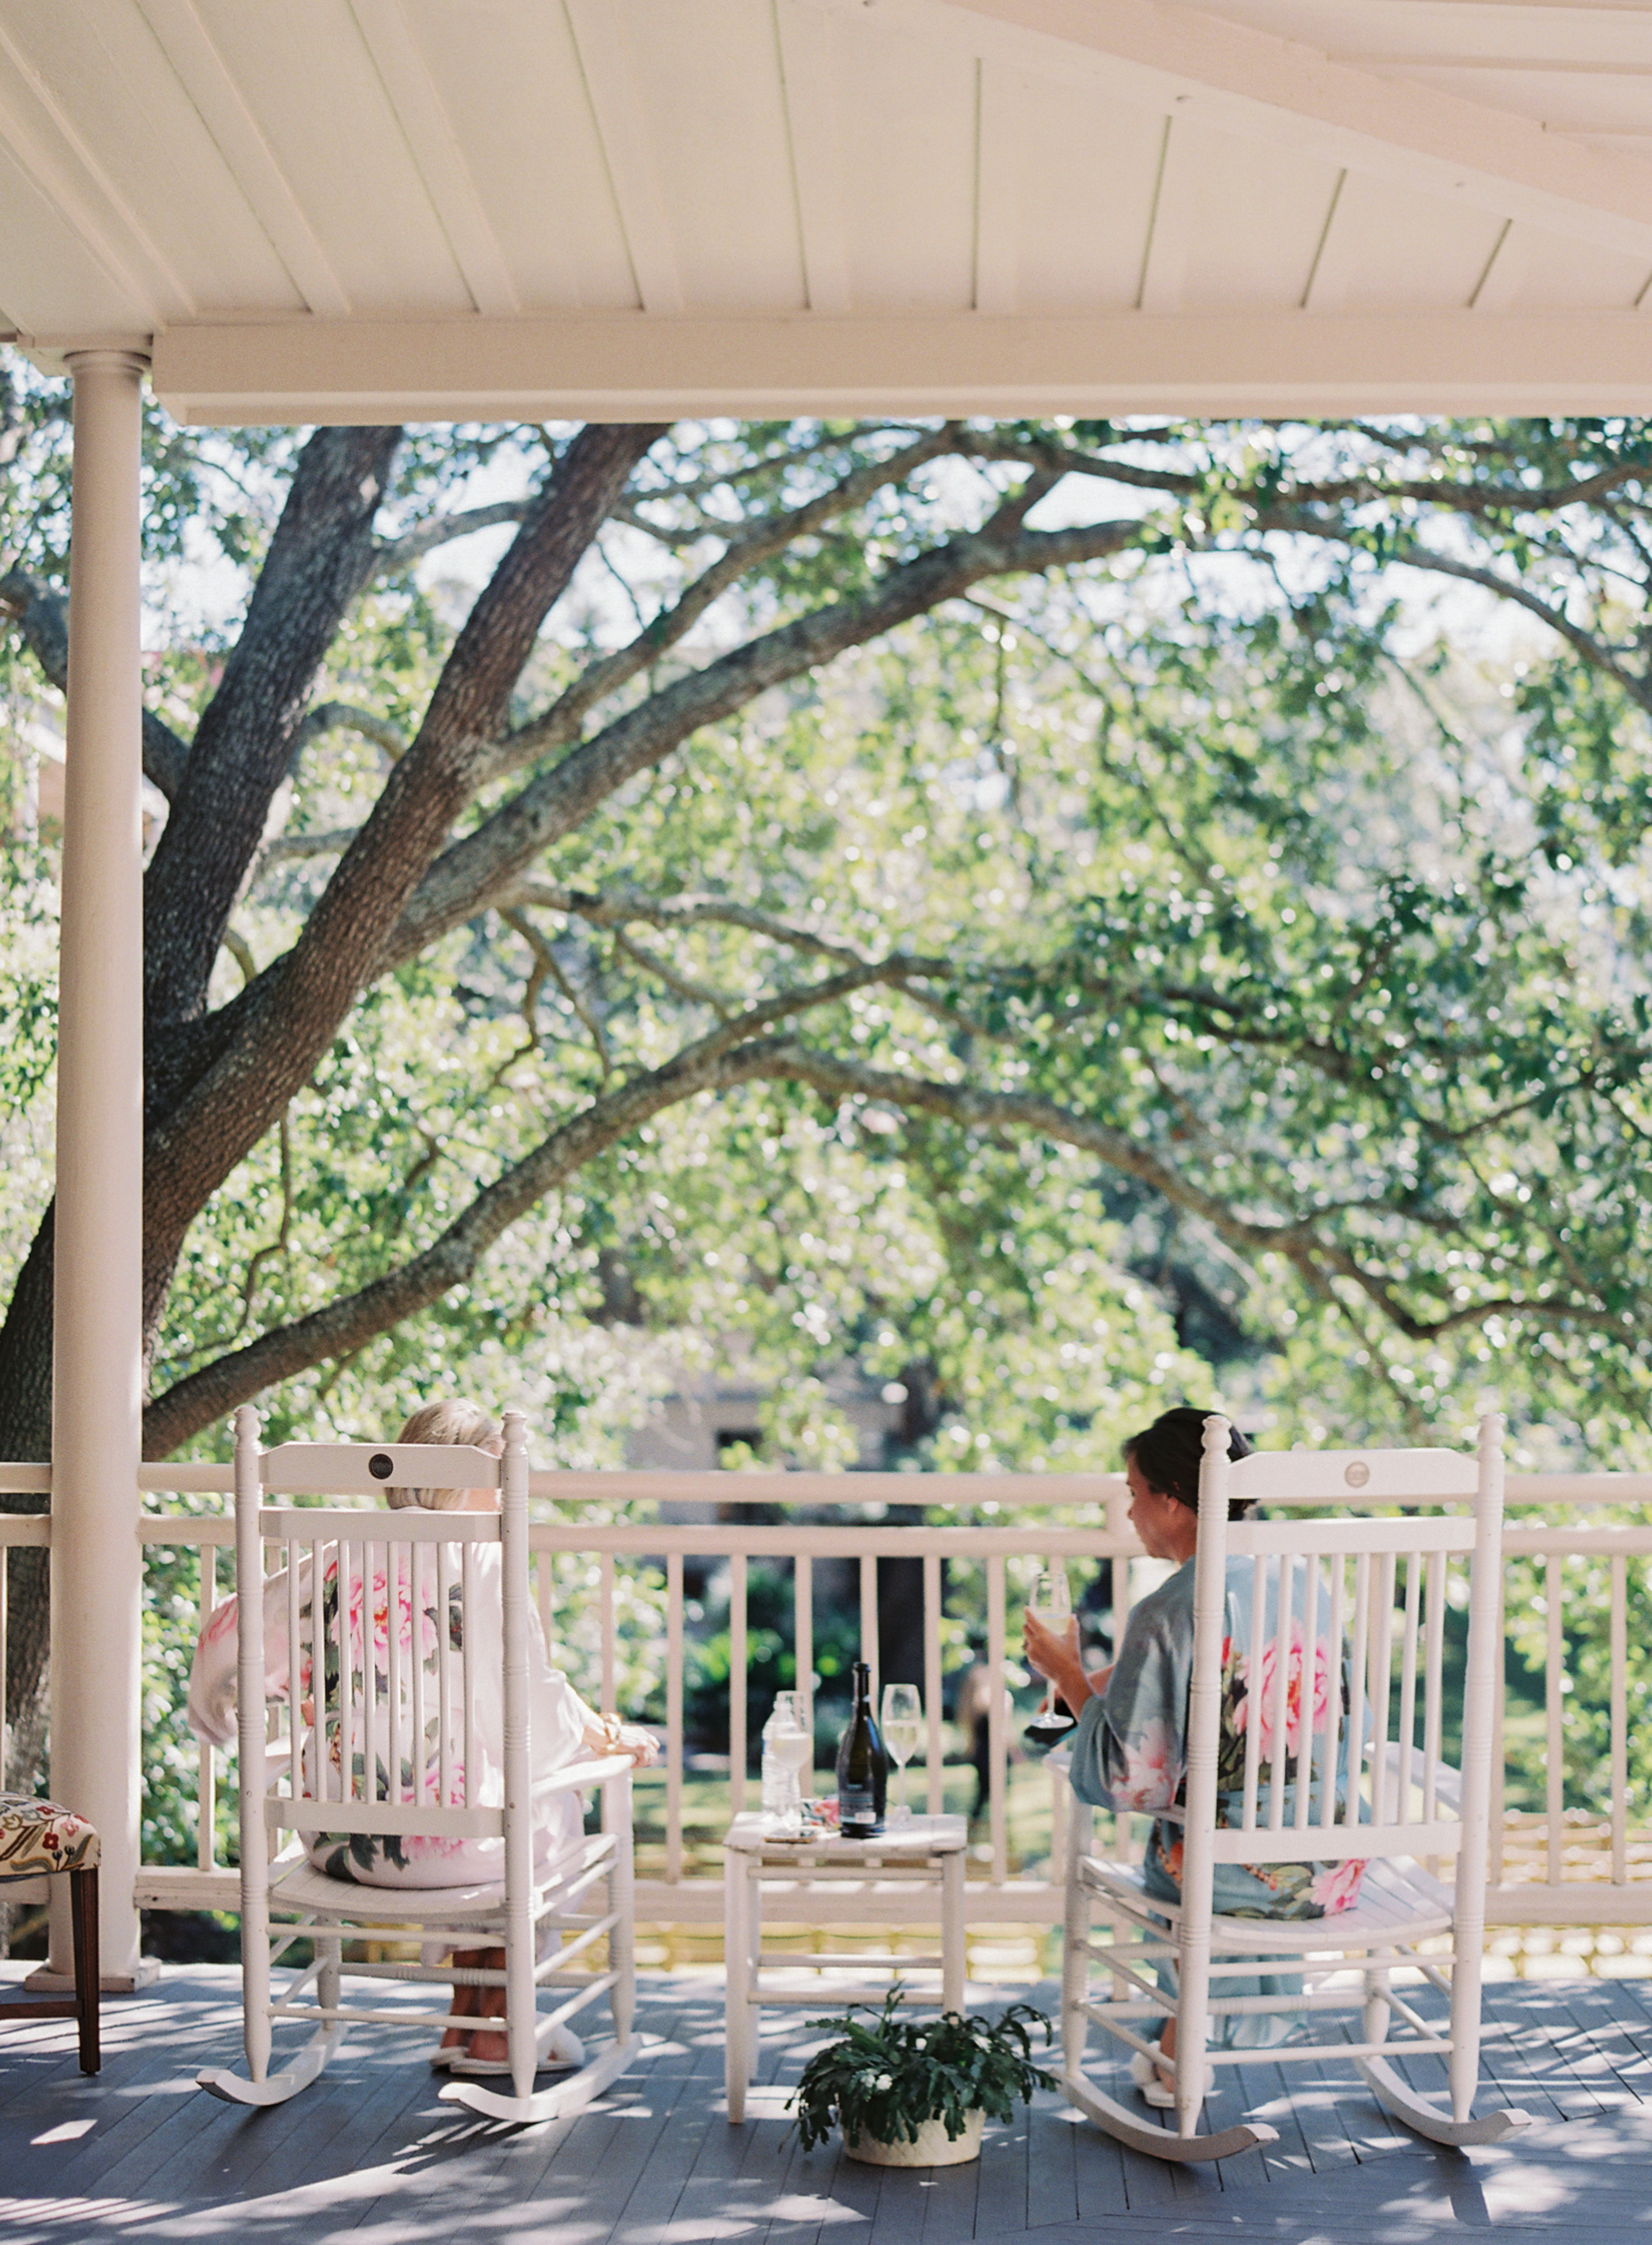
(1184, 182)
(189, 47)
(1505, 276)
(414, 96)
(808, 82)
(116, 234)
(600, 36)
(1253, 82)
(630, 367)
(50, 279)
(998, 129)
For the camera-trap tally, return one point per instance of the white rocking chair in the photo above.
(1324, 1591)
(404, 1766)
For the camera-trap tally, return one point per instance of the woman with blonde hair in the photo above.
(562, 1728)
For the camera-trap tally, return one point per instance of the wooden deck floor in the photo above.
(369, 2152)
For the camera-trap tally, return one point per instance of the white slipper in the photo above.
(1155, 2091)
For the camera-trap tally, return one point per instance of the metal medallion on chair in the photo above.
(382, 1742)
(1315, 1732)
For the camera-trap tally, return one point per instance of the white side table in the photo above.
(926, 1851)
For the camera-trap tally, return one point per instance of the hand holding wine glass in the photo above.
(903, 1722)
(1050, 1609)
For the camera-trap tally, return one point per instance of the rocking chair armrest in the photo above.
(575, 1776)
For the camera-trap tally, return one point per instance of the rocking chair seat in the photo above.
(296, 1884)
(1398, 1902)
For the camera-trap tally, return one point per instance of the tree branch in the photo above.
(348, 1325)
(393, 554)
(745, 548)
(474, 871)
(278, 1030)
(329, 716)
(43, 619)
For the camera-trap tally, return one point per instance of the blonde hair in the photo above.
(451, 1423)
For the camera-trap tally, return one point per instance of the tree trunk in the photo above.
(25, 1433)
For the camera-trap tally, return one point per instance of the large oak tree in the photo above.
(1185, 863)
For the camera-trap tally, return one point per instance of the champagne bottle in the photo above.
(862, 1767)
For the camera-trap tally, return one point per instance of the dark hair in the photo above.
(1168, 1453)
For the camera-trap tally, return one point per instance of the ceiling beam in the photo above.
(1204, 68)
(631, 367)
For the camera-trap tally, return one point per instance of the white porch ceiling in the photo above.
(348, 209)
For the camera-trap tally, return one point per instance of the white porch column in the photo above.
(96, 1564)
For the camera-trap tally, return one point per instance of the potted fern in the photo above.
(915, 2092)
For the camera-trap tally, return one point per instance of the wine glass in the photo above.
(793, 1747)
(903, 1722)
(1051, 1603)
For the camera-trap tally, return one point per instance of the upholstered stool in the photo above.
(40, 1840)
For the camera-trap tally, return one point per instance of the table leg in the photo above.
(754, 1954)
(952, 1962)
(736, 1982)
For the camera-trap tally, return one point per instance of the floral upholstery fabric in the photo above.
(38, 1836)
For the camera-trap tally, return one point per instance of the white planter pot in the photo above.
(931, 2148)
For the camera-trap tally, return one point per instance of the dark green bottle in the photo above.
(862, 1767)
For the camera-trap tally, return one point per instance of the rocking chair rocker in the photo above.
(401, 1761)
(1323, 1652)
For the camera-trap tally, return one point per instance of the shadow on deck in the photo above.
(370, 2151)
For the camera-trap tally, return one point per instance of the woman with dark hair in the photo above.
(1129, 1750)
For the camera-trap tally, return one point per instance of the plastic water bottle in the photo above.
(776, 1786)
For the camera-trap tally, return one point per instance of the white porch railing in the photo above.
(1559, 1864)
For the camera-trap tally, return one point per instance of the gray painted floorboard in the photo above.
(371, 2149)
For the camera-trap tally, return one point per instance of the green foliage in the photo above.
(887, 2078)
(1319, 894)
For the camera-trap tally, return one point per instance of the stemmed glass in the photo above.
(903, 1723)
(1051, 1603)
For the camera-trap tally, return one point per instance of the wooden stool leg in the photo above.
(88, 1964)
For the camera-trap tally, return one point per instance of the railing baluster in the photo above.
(736, 1682)
(1499, 1772)
(804, 1648)
(998, 1727)
(610, 1635)
(674, 1716)
(1554, 1793)
(1620, 1720)
(206, 1779)
(444, 1679)
(294, 1665)
(869, 1623)
(467, 1605)
(933, 1769)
